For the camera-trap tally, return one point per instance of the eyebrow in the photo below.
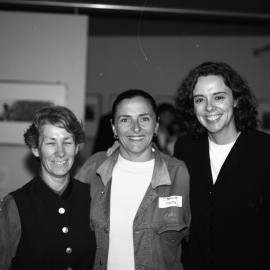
(128, 115)
(214, 94)
(54, 138)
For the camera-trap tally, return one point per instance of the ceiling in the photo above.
(242, 10)
(160, 17)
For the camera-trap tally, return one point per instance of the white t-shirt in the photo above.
(130, 181)
(218, 154)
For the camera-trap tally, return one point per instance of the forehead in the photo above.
(210, 84)
(135, 105)
(49, 130)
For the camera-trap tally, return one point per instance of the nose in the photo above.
(136, 126)
(60, 151)
(209, 105)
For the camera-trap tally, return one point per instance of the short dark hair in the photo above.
(131, 93)
(245, 113)
(59, 116)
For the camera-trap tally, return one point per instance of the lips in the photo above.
(213, 117)
(60, 163)
(135, 138)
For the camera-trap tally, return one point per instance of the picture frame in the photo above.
(264, 115)
(18, 102)
(92, 114)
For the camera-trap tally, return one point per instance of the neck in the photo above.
(56, 184)
(224, 139)
(147, 155)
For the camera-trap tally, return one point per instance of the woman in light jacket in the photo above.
(140, 197)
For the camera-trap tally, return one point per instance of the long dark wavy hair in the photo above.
(245, 113)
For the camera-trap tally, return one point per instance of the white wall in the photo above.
(43, 48)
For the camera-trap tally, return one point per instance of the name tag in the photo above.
(165, 202)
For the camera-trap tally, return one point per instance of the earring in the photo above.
(115, 136)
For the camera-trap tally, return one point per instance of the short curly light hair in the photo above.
(245, 113)
(59, 116)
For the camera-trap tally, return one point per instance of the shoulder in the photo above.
(90, 166)
(10, 230)
(260, 134)
(24, 190)
(256, 137)
(81, 190)
(8, 207)
(80, 185)
(177, 168)
(172, 162)
(186, 144)
(95, 160)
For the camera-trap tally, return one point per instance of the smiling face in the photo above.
(213, 105)
(135, 124)
(56, 150)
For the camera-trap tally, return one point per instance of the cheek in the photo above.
(197, 110)
(122, 130)
(44, 153)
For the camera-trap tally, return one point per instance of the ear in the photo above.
(77, 149)
(113, 128)
(156, 128)
(35, 152)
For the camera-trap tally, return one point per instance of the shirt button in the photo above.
(61, 210)
(68, 250)
(65, 229)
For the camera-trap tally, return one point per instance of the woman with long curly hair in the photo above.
(227, 158)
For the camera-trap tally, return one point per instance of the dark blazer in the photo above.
(230, 219)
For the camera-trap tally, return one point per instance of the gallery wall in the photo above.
(40, 48)
(54, 48)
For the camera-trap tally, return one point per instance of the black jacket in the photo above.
(230, 219)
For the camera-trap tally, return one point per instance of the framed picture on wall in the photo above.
(19, 100)
(264, 115)
(92, 114)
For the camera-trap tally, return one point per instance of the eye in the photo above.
(220, 97)
(145, 119)
(68, 143)
(197, 100)
(124, 120)
(49, 143)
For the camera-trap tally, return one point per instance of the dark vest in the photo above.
(55, 229)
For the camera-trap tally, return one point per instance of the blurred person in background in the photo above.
(169, 128)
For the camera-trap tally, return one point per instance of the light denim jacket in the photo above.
(157, 232)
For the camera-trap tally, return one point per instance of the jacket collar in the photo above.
(160, 175)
